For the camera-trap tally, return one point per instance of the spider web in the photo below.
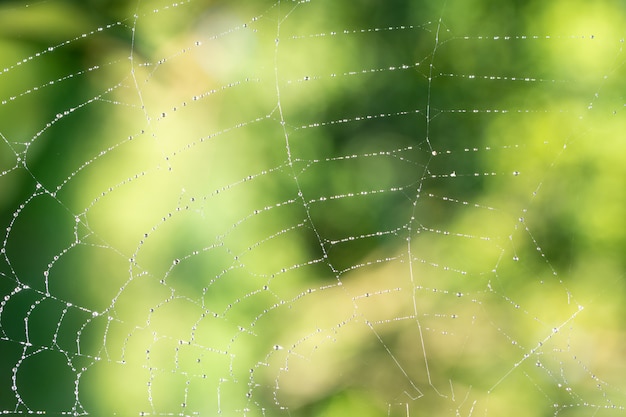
(312, 208)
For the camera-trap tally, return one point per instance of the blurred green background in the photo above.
(313, 208)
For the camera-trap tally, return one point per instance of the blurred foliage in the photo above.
(340, 208)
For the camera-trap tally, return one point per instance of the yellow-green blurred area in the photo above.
(313, 208)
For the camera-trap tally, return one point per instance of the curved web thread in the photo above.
(305, 209)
